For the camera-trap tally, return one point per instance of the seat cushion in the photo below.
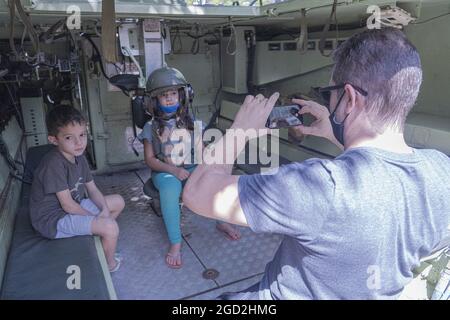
(37, 268)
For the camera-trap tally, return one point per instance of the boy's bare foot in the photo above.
(231, 232)
(173, 257)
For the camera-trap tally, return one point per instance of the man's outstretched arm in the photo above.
(212, 191)
(214, 194)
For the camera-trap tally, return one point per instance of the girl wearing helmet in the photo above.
(169, 107)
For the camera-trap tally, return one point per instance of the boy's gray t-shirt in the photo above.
(354, 226)
(55, 173)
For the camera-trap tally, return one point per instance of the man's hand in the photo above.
(182, 173)
(212, 191)
(321, 127)
(254, 112)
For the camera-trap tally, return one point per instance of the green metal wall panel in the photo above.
(12, 135)
(432, 42)
(9, 191)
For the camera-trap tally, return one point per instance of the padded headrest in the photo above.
(126, 82)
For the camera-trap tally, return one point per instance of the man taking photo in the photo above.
(355, 225)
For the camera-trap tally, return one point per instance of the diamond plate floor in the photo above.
(233, 259)
(232, 287)
(143, 244)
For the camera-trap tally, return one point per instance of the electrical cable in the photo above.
(27, 22)
(6, 155)
(251, 51)
(219, 90)
(12, 14)
(24, 33)
(14, 103)
(98, 57)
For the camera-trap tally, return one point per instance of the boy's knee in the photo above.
(112, 228)
(108, 227)
(120, 202)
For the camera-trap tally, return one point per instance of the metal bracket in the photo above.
(102, 136)
(142, 81)
(129, 37)
(152, 45)
(395, 17)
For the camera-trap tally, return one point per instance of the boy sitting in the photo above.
(59, 207)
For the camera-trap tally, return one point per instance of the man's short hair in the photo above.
(62, 115)
(385, 64)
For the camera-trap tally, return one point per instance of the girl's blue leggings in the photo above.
(170, 188)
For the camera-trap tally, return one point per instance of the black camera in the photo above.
(284, 116)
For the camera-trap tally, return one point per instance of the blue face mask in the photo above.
(338, 128)
(169, 109)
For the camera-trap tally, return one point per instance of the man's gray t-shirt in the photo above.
(354, 226)
(54, 174)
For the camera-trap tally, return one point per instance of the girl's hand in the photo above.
(182, 173)
(176, 154)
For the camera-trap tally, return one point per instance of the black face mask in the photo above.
(338, 128)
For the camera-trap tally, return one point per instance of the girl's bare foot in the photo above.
(173, 257)
(231, 232)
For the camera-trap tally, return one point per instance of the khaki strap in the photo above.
(326, 28)
(109, 44)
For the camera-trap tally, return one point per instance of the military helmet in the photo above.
(164, 78)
